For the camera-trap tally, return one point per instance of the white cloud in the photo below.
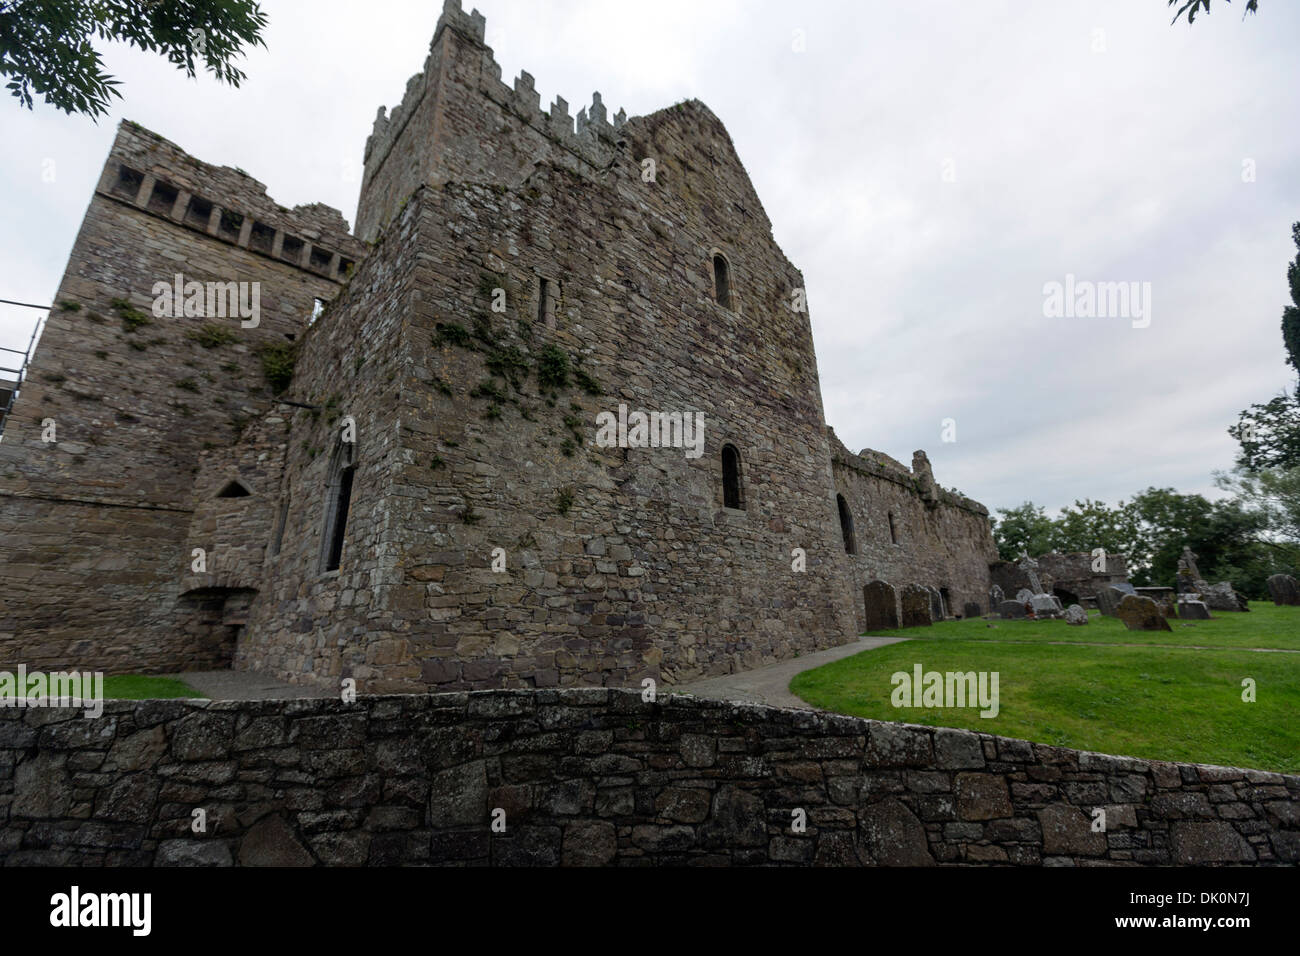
(925, 295)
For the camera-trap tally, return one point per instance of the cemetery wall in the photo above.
(598, 777)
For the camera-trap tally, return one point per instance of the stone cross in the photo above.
(1189, 560)
(1030, 567)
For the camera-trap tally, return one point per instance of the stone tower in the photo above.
(429, 503)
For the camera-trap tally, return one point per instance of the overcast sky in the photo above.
(930, 166)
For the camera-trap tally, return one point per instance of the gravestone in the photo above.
(1030, 567)
(1024, 595)
(1142, 614)
(1162, 596)
(996, 597)
(1011, 610)
(1222, 597)
(1108, 599)
(970, 610)
(937, 611)
(1125, 588)
(882, 606)
(1045, 605)
(1193, 611)
(914, 602)
(1282, 588)
(1076, 615)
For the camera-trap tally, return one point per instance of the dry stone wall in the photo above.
(598, 777)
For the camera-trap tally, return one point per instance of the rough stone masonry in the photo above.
(404, 489)
(593, 776)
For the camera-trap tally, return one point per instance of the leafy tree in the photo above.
(1224, 535)
(1193, 7)
(1026, 528)
(1091, 524)
(1269, 434)
(46, 46)
(1274, 496)
(1291, 313)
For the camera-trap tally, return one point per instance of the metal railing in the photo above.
(19, 373)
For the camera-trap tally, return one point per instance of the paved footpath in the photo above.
(767, 685)
(770, 684)
(245, 685)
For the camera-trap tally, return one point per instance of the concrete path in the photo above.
(767, 685)
(770, 684)
(245, 685)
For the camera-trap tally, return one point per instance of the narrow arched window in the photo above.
(846, 525)
(280, 522)
(721, 281)
(338, 500)
(731, 487)
(893, 532)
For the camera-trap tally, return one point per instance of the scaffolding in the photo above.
(19, 374)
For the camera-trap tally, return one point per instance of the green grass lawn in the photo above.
(1264, 626)
(136, 687)
(1153, 701)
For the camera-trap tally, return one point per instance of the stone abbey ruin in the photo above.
(253, 438)
(403, 488)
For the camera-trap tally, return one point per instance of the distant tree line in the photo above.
(1243, 538)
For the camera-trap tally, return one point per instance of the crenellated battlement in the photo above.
(918, 480)
(156, 176)
(454, 103)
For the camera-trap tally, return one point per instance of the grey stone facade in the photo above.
(519, 276)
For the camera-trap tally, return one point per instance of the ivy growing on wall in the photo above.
(512, 361)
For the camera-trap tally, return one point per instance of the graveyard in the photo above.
(1166, 695)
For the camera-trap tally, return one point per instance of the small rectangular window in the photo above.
(128, 183)
(321, 259)
(163, 198)
(231, 224)
(546, 302)
(198, 213)
(262, 238)
(291, 249)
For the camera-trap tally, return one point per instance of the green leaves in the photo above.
(1269, 433)
(1193, 7)
(46, 46)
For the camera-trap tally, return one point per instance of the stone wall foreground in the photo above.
(596, 777)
